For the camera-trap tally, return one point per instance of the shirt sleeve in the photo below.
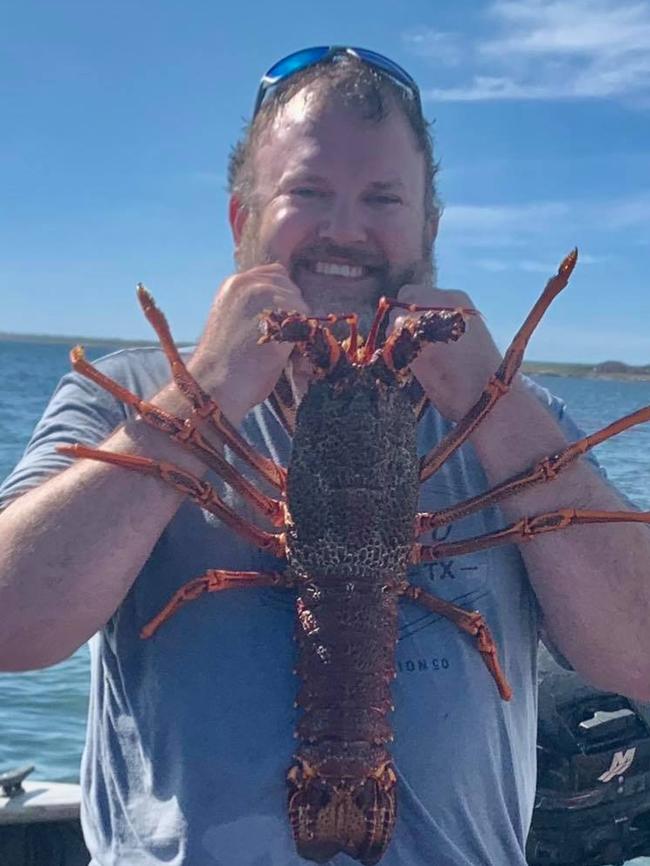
(573, 432)
(558, 409)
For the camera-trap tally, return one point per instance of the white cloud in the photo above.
(527, 265)
(532, 266)
(588, 345)
(495, 266)
(570, 27)
(491, 218)
(437, 46)
(554, 49)
(587, 259)
(510, 225)
(628, 213)
(485, 87)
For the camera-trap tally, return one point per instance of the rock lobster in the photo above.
(347, 524)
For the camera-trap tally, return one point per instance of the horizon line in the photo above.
(75, 339)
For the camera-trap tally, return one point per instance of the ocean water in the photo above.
(42, 714)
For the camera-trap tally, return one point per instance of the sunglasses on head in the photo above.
(299, 60)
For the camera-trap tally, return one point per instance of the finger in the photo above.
(290, 299)
(267, 267)
(275, 277)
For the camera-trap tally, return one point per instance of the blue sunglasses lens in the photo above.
(307, 57)
(387, 65)
(296, 63)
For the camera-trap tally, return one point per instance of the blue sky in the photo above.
(118, 118)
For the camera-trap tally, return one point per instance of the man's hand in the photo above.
(452, 374)
(228, 361)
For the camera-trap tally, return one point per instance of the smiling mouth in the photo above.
(339, 269)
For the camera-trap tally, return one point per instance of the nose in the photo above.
(343, 224)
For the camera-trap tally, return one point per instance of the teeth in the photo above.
(333, 270)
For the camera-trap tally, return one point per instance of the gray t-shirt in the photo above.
(190, 733)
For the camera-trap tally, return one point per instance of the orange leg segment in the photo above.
(546, 470)
(214, 581)
(472, 623)
(204, 407)
(310, 337)
(405, 343)
(525, 530)
(353, 323)
(199, 491)
(499, 384)
(387, 304)
(186, 434)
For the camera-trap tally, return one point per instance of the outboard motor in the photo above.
(592, 806)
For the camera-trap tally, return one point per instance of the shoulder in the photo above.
(144, 370)
(80, 410)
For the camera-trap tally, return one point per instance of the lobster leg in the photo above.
(204, 407)
(471, 622)
(183, 432)
(214, 581)
(199, 491)
(499, 384)
(411, 331)
(524, 530)
(545, 470)
(437, 325)
(282, 398)
(310, 336)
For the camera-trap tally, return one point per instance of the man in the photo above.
(190, 733)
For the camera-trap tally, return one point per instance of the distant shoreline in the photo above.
(605, 370)
(63, 340)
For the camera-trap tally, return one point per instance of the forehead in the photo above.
(335, 142)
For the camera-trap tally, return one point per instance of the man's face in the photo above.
(339, 201)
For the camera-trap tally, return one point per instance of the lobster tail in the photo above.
(348, 546)
(349, 815)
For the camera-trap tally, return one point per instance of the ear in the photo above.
(237, 216)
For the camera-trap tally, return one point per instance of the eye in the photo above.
(307, 192)
(382, 199)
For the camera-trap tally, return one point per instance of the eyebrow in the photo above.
(299, 177)
(382, 185)
(375, 185)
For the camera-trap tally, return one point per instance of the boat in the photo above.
(39, 822)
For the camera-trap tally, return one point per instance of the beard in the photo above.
(386, 279)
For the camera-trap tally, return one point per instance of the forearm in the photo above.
(591, 580)
(71, 548)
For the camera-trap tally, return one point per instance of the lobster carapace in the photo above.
(347, 526)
